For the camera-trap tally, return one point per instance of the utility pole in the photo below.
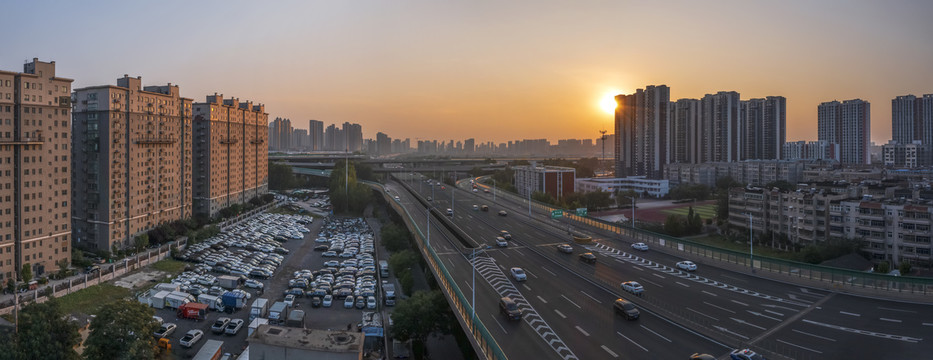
(751, 242)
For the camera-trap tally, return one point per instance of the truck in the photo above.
(234, 300)
(213, 302)
(228, 282)
(166, 287)
(296, 318)
(175, 301)
(388, 293)
(277, 312)
(212, 350)
(401, 350)
(253, 325)
(259, 309)
(372, 324)
(158, 299)
(383, 268)
(193, 310)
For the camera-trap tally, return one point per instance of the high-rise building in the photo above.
(721, 125)
(685, 131)
(280, 134)
(641, 125)
(383, 144)
(911, 132)
(300, 140)
(354, 136)
(469, 145)
(334, 139)
(132, 161)
(849, 125)
(35, 201)
(764, 123)
(316, 135)
(230, 161)
(906, 125)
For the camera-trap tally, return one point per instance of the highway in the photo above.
(568, 303)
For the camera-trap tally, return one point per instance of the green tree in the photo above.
(346, 194)
(281, 177)
(419, 316)
(673, 226)
(395, 238)
(904, 267)
(780, 184)
(26, 272)
(883, 267)
(543, 197)
(402, 261)
(45, 333)
(122, 331)
(141, 242)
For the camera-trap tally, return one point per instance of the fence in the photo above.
(106, 273)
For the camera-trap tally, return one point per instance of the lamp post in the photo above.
(428, 219)
(493, 189)
(751, 242)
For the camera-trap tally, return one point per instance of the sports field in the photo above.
(706, 211)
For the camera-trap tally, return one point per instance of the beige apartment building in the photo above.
(132, 161)
(231, 158)
(35, 199)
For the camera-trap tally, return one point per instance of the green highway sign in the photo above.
(557, 213)
(581, 211)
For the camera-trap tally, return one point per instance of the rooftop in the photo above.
(308, 339)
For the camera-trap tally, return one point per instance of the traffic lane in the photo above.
(582, 313)
(819, 333)
(910, 320)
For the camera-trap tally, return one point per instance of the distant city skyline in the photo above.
(491, 70)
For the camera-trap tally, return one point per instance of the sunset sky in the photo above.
(491, 70)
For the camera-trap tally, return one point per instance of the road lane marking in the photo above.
(542, 299)
(739, 302)
(927, 324)
(468, 285)
(591, 297)
(802, 347)
(638, 268)
(866, 332)
(813, 335)
(774, 312)
(526, 287)
(734, 278)
(504, 254)
(582, 331)
(708, 293)
(890, 320)
(848, 313)
(560, 313)
(549, 271)
(659, 335)
(659, 275)
(719, 307)
(633, 342)
(681, 284)
(652, 282)
(702, 314)
(530, 273)
(571, 301)
(740, 321)
(898, 310)
(500, 326)
(723, 329)
(609, 351)
(763, 315)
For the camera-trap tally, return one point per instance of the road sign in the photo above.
(557, 213)
(581, 211)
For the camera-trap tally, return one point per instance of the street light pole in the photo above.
(473, 287)
(428, 218)
(633, 212)
(751, 242)
(493, 190)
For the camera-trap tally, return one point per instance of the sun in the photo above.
(608, 103)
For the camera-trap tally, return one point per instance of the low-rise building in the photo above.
(270, 342)
(556, 181)
(639, 184)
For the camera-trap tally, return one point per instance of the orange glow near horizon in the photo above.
(608, 102)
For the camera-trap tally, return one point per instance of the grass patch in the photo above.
(92, 299)
(170, 266)
(707, 211)
(722, 242)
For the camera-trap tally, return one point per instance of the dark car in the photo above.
(503, 213)
(505, 234)
(321, 247)
(316, 301)
(626, 308)
(697, 356)
(509, 308)
(588, 258)
(484, 208)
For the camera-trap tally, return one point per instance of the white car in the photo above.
(328, 300)
(500, 242)
(633, 287)
(348, 302)
(687, 266)
(250, 283)
(290, 300)
(191, 337)
(640, 246)
(518, 274)
(371, 302)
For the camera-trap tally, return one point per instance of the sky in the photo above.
(489, 70)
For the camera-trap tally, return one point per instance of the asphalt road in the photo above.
(573, 299)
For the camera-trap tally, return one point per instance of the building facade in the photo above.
(848, 124)
(765, 127)
(641, 125)
(751, 172)
(35, 171)
(231, 161)
(556, 181)
(639, 184)
(132, 161)
(316, 135)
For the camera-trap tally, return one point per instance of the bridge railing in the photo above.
(483, 341)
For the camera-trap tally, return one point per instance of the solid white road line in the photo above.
(719, 307)
(526, 287)
(591, 297)
(802, 347)
(702, 314)
(890, 320)
(927, 324)
(652, 282)
(571, 301)
(813, 335)
(582, 331)
(542, 299)
(739, 302)
(681, 284)
(549, 271)
(708, 293)
(774, 312)
(653, 332)
(659, 275)
(468, 285)
(500, 326)
(560, 313)
(848, 313)
(633, 342)
(638, 268)
(530, 273)
(609, 351)
(898, 310)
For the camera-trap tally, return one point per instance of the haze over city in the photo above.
(489, 70)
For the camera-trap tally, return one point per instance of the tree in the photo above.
(420, 315)
(402, 261)
(346, 194)
(673, 226)
(904, 267)
(780, 184)
(281, 177)
(45, 333)
(883, 267)
(122, 331)
(395, 238)
(543, 198)
(141, 242)
(26, 272)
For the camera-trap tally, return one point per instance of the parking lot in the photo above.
(300, 256)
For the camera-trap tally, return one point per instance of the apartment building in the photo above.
(556, 181)
(751, 172)
(848, 124)
(35, 200)
(132, 161)
(231, 160)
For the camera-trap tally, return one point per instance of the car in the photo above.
(360, 302)
(588, 258)
(430, 199)
(348, 302)
(370, 302)
(327, 301)
(250, 283)
(333, 263)
(450, 212)
(330, 253)
(505, 234)
(316, 301)
(633, 287)
(745, 354)
(322, 247)
(475, 207)
(165, 330)
(157, 319)
(687, 265)
(500, 242)
(640, 246)
(486, 191)
(234, 326)
(626, 308)
(503, 213)
(509, 308)
(518, 274)
(220, 325)
(698, 356)
(191, 337)
(565, 248)
(290, 299)
(484, 208)
(397, 198)
(475, 190)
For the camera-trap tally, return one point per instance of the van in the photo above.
(509, 308)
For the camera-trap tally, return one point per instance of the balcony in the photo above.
(228, 141)
(158, 140)
(34, 140)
